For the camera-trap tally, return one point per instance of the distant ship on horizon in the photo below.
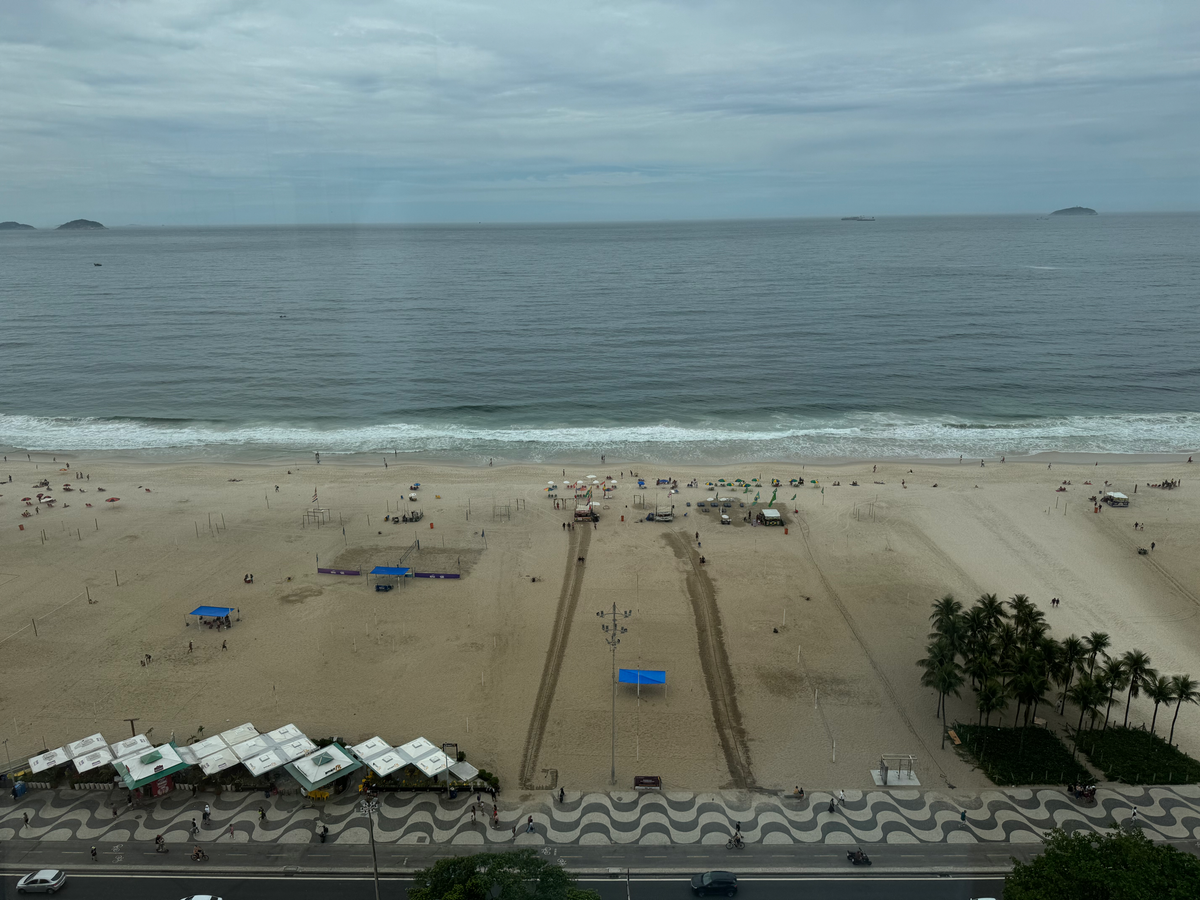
(858, 218)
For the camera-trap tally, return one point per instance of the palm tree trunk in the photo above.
(1154, 718)
(1173, 718)
(1062, 710)
(1017, 717)
(1128, 700)
(1108, 709)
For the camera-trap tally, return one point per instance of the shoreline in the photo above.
(367, 460)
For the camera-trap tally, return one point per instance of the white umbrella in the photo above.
(551, 483)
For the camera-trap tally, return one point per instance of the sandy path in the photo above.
(714, 662)
(568, 600)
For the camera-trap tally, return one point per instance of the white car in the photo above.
(202, 897)
(47, 881)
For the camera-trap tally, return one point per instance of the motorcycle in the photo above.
(858, 857)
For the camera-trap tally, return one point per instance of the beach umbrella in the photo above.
(112, 499)
(26, 499)
(551, 483)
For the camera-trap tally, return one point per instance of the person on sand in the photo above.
(224, 645)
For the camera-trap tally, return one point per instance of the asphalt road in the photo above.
(155, 887)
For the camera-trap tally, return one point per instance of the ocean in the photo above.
(783, 339)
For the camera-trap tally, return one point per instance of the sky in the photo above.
(210, 112)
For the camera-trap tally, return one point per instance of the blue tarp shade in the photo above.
(389, 570)
(642, 676)
(214, 611)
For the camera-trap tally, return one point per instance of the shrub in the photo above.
(1010, 756)
(1134, 756)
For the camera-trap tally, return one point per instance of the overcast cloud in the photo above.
(205, 112)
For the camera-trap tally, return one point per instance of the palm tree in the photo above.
(1159, 689)
(993, 611)
(1112, 676)
(939, 653)
(1070, 660)
(1186, 691)
(1020, 605)
(948, 681)
(1029, 687)
(1088, 696)
(990, 698)
(1096, 643)
(945, 610)
(1137, 667)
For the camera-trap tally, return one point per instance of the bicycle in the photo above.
(735, 842)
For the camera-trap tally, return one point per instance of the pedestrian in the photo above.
(1133, 817)
(832, 805)
(1152, 545)
(231, 829)
(962, 818)
(207, 814)
(529, 826)
(224, 645)
(472, 814)
(841, 798)
(515, 827)
(189, 646)
(93, 853)
(561, 795)
(262, 815)
(195, 827)
(324, 832)
(26, 817)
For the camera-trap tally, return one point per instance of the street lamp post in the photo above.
(613, 632)
(369, 806)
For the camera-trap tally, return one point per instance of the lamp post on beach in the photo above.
(613, 632)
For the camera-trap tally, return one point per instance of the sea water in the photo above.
(790, 339)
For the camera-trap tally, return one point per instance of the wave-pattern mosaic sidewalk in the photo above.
(894, 817)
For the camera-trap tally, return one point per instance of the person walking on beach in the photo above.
(224, 645)
(841, 798)
(189, 646)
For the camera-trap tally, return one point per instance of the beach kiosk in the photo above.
(1115, 498)
(323, 766)
(769, 517)
(151, 769)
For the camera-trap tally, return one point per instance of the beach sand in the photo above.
(790, 658)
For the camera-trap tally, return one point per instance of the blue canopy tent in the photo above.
(642, 676)
(215, 615)
(396, 572)
(213, 612)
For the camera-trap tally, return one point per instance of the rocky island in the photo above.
(1074, 211)
(79, 223)
(14, 226)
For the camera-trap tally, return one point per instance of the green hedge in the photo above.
(1011, 756)
(1134, 756)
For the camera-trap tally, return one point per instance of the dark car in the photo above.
(714, 884)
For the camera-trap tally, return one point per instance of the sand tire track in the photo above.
(714, 662)
(568, 599)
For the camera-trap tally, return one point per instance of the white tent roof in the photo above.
(253, 747)
(416, 749)
(217, 762)
(387, 763)
(368, 750)
(93, 760)
(322, 763)
(130, 746)
(301, 746)
(464, 771)
(284, 734)
(264, 762)
(87, 745)
(1117, 494)
(48, 760)
(208, 746)
(239, 734)
(770, 513)
(434, 764)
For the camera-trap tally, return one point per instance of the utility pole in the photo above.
(369, 805)
(613, 632)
